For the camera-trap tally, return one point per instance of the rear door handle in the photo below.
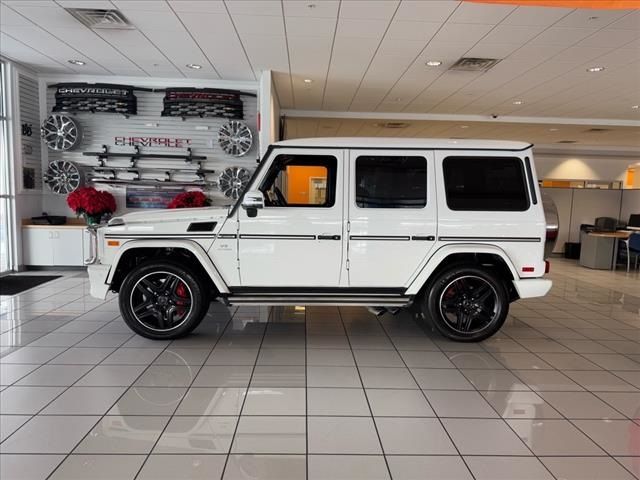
(328, 237)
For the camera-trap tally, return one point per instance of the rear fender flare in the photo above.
(193, 247)
(443, 252)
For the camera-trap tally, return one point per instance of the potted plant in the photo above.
(193, 199)
(91, 204)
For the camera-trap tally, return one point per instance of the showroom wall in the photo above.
(111, 129)
(582, 165)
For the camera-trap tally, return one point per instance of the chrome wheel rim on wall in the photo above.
(161, 301)
(469, 304)
(62, 177)
(233, 181)
(235, 138)
(61, 132)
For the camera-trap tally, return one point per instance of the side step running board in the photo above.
(319, 300)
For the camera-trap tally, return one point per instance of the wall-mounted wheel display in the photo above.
(61, 132)
(235, 138)
(233, 181)
(63, 177)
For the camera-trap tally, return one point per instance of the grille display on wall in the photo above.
(95, 97)
(202, 102)
(233, 181)
(62, 177)
(61, 132)
(162, 159)
(235, 138)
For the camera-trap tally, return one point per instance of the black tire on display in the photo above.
(163, 300)
(467, 303)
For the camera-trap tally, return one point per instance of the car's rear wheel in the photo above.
(467, 304)
(163, 300)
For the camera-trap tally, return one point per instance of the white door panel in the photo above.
(293, 246)
(386, 245)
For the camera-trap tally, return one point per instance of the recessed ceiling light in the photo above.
(433, 63)
(76, 62)
(308, 80)
(553, 129)
(635, 107)
(518, 102)
(311, 5)
(193, 66)
(595, 69)
(593, 18)
(464, 126)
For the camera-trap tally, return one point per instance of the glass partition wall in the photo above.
(7, 194)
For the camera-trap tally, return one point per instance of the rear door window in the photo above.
(485, 184)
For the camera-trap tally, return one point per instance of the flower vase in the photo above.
(92, 219)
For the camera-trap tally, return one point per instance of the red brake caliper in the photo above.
(181, 292)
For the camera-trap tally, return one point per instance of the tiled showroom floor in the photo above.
(324, 393)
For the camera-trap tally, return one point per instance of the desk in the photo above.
(600, 249)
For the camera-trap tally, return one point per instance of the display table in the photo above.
(55, 245)
(600, 249)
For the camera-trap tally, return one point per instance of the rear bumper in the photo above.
(532, 287)
(98, 280)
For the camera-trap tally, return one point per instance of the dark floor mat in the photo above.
(12, 284)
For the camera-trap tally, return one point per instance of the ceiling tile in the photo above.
(48, 17)
(198, 6)
(406, 30)
(562, 36)
(469, 12)
(361, 28)
(142, 5)
(254, 7)
(541, 16)
(368, 9)
(320, 9)
(435, 11)
(461, 33)
(512, 34)
(610, 38)
(9, 16)
(266, 25)
(590, 18)
(310, 26)
(631, 21)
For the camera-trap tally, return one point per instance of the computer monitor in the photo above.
(606, 224)
(634, 220)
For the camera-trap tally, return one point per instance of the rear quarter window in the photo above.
(485, 184)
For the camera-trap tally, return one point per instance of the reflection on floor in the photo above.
(324, 392)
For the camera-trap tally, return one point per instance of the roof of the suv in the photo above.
(405, 143)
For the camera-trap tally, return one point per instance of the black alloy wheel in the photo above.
(467, 304)
(163, 300)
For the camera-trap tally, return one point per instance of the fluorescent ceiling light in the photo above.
(193, 66)
(433, 63)
(595, 69)
(76, 62)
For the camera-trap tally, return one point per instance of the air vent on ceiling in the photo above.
(98, 18)
(567, 141)
(597, 130)
(471, 64)
(391, 125)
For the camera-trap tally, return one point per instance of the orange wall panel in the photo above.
(298, 182)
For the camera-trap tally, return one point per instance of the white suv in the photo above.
(454, 229)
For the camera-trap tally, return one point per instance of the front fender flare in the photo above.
(443, 252)
(189, 245)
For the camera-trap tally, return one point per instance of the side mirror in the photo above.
(252, 201)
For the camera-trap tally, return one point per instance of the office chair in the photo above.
(632, 246)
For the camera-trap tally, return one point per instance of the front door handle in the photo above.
(328, 237)
(428, 238)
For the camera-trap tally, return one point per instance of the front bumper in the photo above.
(98, 275)
(532, 287)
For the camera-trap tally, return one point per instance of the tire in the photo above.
(163, 300)
(467, 303)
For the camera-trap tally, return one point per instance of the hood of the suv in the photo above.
(174, 215)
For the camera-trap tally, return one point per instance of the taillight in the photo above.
(547, 266)
(528, 269)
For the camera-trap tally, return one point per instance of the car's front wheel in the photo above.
(163, 300)
(467, 303)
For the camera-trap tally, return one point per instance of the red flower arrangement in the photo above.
(91, 203)
(194, 199)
